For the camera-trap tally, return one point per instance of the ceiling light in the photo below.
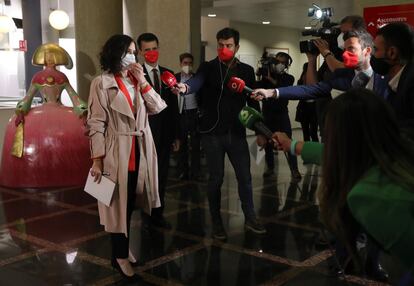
(308, 28)
(212, 15)
(6, 22)
(59, 19)
(266, 22)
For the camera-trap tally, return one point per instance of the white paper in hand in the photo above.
(103, 191)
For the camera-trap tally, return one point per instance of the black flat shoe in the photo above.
(129, 279)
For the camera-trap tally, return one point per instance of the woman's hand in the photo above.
(138, 72)
(96, 170)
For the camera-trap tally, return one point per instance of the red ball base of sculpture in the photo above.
(56, 150)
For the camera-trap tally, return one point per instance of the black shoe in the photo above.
(130, 279)
(160, 222)
(255, 226)
(219, 232)
(376, 272)
(296, 175)
(268, 173)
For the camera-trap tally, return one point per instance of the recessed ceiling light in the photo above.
(308, 28)
(266, 22)
(212, 15)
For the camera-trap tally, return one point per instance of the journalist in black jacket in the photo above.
(222, 133)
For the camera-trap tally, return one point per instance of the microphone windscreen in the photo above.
(248, 116)
(236, 84)
(168, 79)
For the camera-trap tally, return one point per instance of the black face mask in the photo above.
(379, 65)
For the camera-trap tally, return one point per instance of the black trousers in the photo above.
(189, 135)
(120, 243)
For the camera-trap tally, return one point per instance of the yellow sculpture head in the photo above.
(51, 54)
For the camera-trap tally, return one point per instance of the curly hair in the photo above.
(113, 51)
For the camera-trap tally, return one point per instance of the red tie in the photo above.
(156, 81)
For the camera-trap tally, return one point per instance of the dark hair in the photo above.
(113, 51)
(302, 77)
(146, 37)
(399, 35)
(186, 55)
(357, 22)
(361, 131)
(228, 33)
(365, 38)
(286, 56)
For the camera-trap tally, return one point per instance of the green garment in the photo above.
(384, 208)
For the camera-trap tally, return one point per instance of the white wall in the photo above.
(253, 39)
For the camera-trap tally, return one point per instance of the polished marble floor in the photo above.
(53, 237)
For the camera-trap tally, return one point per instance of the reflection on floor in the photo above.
(53, 237)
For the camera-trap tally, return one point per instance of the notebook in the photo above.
(103, 191)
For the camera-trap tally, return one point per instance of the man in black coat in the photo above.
(164, 125)
(222, 132)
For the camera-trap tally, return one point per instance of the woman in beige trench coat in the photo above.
(122, 146)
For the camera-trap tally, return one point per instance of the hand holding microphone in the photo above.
(170, 81)
(238, 85)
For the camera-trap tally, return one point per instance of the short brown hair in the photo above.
(186, 55)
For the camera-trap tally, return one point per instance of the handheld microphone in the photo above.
(168, 79)
(238, 85)
(253, 119)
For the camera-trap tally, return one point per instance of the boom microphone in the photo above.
(238, 85)
(253, 119)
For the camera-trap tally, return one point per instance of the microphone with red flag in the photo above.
(238, 85)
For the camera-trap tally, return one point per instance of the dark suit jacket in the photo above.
(164, 125)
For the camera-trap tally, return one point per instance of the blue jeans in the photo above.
(215, 147)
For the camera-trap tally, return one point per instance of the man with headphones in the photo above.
(276, 112)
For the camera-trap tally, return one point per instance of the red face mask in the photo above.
(225, 54)
(151, 56)
(351, 60)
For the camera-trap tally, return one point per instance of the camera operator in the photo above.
(274, 74)
(332, 54)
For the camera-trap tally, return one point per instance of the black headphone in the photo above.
(286, 55)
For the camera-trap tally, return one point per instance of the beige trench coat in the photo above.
(111, 125)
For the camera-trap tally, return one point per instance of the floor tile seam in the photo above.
(12, 200)
(39, 241)
(23, 256)
(280, 197)
(363, 281)
(36, 218)
(317, 258)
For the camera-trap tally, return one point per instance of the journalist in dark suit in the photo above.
(164, 126)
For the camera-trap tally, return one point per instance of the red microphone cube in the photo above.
(236, 84)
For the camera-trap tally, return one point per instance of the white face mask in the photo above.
(127, 60)
(280, 68)
(186, 69)
(340, 40)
